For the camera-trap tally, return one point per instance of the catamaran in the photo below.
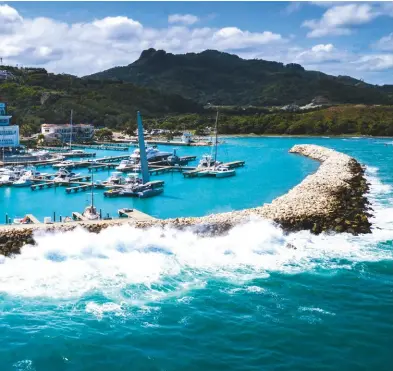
(137, 187)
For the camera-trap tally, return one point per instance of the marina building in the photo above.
(79, 132)
(9, 134)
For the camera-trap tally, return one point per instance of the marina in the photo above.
(72, 193)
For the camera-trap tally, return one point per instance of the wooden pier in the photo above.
(135, 215)
(82, 187)
(102, 166)
(75, 155)
(115, 147)
(91, 163)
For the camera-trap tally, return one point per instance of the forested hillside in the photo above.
(225, 79)
(35, 96)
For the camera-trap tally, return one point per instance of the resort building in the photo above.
(80, 132)
(9, 134)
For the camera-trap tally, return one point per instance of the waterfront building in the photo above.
(9, 134)
(80, 132)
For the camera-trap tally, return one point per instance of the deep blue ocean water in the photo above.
(150, 300)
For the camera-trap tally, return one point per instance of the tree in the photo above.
(104, 134)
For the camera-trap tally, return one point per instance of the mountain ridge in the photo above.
(221, 78)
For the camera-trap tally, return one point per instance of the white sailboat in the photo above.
(90, 212)
(209, 166)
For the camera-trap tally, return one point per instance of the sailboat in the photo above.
(209, 166)
(90, 212)
(141, 188)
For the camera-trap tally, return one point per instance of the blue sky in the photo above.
(347, 38)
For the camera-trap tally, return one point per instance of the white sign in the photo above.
(9, 136)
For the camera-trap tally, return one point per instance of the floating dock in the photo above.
(103, 146)
(135, 215)
(174, 143)
(102, 166)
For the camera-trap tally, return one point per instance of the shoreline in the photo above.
(331, 199)
(325, 136)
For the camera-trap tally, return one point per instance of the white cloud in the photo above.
(187, 19)
(84, 48)
(321, 53)
(385, 43)
(338, 19)
(374, 62)
(9, 19)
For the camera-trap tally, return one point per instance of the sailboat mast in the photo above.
(216, 140)
(71, 131)
(142, 150)
(92, 188)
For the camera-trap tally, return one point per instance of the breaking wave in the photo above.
(133, 266)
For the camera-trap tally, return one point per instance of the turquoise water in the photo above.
(255, 184)
(150, 300)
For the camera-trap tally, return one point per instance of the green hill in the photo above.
(35, 96)
(225, 79)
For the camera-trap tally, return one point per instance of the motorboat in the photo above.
(207, 161)
(77, 152)
(135, 190)
(116, 178)
(66, 163)
(223, 172)
(8, 176)
(133, 178)
(152, 154)
(26, 180)
(124, 164)
(63, 176)
(187, 138)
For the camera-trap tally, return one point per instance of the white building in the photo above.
(9, 134)
(80, 132)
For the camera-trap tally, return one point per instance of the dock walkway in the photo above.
(135, 214)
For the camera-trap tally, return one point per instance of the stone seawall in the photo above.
(331, 199)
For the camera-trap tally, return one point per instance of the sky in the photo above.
(80, 38)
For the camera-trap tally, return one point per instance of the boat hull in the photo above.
(224, 174)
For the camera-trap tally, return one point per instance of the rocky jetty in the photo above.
(330, 200)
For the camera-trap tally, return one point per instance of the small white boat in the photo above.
(223, 172)
(124, 164)
(91, 213)
(152, 154)
(67, 163)
(77, 152)
(23, 181)
(63, 176)
(116, 178)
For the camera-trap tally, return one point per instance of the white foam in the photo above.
(98, 310)
(135, 267)
(318, 310)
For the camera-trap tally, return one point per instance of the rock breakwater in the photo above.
(331, 199)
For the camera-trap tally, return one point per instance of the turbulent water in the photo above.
(128, 299)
